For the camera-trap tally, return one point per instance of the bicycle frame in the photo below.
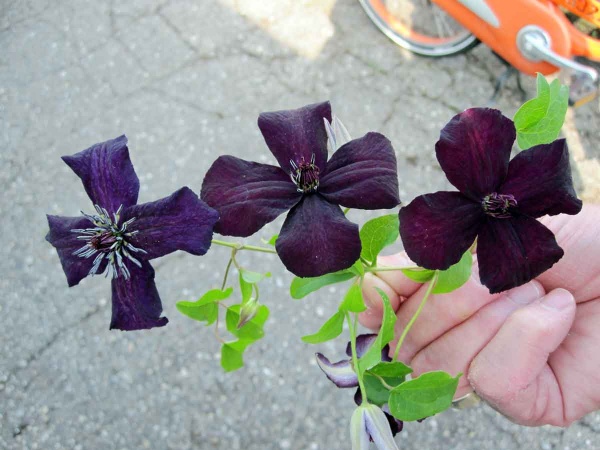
(497, 23)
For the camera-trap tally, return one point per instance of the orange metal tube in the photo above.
(513, 15)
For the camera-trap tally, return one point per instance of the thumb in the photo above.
(512, 373)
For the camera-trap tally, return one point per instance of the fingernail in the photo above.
(523, 295)
(557, 300)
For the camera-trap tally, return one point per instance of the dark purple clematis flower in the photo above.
(342, 373)
(316, 237)
(498, 202)
(121, 236)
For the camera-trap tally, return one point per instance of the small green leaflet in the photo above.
(330, 330)
(253, 277)
(232, 352)
(253, 329)
(206, 308)
(301, 287)
(378, 233)
(377, 393)
(358, 268)
(353, 301)
(424, 396)
(454, 276)
(372, 356)
(392, 373)
(448, 280)
(245, 288)
(390, 369)
(419, 275)
(539, 120)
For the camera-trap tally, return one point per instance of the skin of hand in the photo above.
(533, 352)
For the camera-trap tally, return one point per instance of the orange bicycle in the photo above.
(531, 35)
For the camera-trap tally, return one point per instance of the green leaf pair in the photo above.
(206, 309)
(232, 352)
(540, 119)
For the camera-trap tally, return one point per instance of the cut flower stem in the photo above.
(239, 246)
(416, 315)
(352, 328)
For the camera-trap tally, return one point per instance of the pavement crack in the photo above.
(177, 32)
(41, 351)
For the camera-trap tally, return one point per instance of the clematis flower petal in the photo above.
(511, 252)
(362, 174)
(437, 229)
(474, 149)
(316, 238)
(297, 134)
(66, 243)
(363, 343)
(340, 373)
(135, 301)
(247, 195)
(378, 427)
(179, 222)
(107, 174)
(358, 431)
(540, 180)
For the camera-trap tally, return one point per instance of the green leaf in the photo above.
(252, 329)
(232, 354)
(540, 119)
(372, 356)
(353, 301)
(378, 233)
(245, 288)
(390, 369)
(205, 309)
(358, 268)
(424, 396)
(419, 275)
(392, 373)
(301, 287)
(330, 330)
(272, 241)
(377, 393)
(253, 277)
(455, 276)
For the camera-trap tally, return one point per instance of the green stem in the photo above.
(416, 315)
(390, 269)
(239, 246)
(227, 269)
(352, 328)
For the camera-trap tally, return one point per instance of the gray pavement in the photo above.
(186, 81)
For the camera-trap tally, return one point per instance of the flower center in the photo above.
(305, 175)
(498, 205)
(108, 240)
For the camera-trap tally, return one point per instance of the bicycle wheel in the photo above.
(420, 26)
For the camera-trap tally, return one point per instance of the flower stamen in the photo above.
(305, 175)
(107, 240)
(498, 205)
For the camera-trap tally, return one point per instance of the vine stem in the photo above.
(352, 329)
(239, 246)
(416, 315)
(390, 269)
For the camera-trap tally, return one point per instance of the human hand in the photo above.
(531, 352)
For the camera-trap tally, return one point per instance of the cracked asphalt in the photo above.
(186, 81)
